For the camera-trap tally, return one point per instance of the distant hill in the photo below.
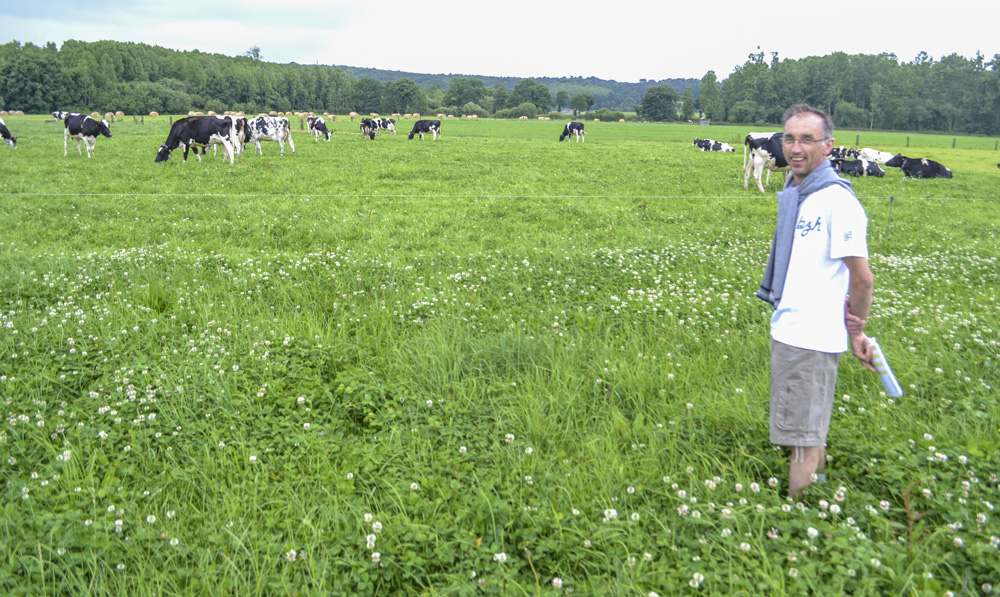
(608, 93)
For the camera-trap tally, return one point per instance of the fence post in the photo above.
(953, 142)
(907, 140)
(857, 140)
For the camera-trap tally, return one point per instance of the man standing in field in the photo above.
(819, 255)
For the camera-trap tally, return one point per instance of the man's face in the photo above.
(803, 156)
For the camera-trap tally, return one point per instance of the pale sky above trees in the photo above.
(516, 38)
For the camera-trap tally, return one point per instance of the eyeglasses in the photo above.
(804, 141)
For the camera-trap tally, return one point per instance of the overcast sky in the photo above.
(516, 38)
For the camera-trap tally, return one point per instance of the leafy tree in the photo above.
(582, 102)
(367, 96)
(562, 99)
(659, 103)
(710, 97)
(464, 90)
(403, 95)
(254, 53)
(687, 103)
(500, 97)
(528, 91)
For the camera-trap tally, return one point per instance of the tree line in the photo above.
(138, 78)
(953, 94)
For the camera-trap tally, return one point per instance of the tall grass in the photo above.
(525, 360)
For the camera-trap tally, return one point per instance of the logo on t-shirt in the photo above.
(807, 227)
(848, 236)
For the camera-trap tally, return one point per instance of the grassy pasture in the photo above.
(525, 360)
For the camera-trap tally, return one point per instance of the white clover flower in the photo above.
(958, 542)
(500, 557)
(529, 450)
(630, 490)
(884, 504)
(773, 482)
(253, 459)
(376, 557)
(370, 541)
(368, 518)
(635, 517)
(647, 556)
(793, 573)
(174, 541)
(557, 583)
(462, 449)
(576, 512)
(509, 438)
(300, 400)
(813, 533)
(755, 487)
(414, 487)
(610, 514)
(745, 546)
(291, 555)
(151, 519)
(377, 527)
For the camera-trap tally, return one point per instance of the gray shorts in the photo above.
(802, 386)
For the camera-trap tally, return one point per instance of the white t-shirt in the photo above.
(810, 315)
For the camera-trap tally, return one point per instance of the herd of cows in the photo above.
(766, 153)
(761, 151)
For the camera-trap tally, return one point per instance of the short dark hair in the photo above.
(807, 109)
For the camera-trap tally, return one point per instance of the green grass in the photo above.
(242, 361)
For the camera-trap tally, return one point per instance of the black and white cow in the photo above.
(83, 127)
(573, 129)
(6, 136)
(271, 128)
(874, 155)
(368, 128)
(239, 140)
(61, 114)
(386, 124)
(765, 151)
(317, 126)
(850, 167)
(843, 152)
(918, 168)
(710, 145)
(426, 126)
(872, 169)
(199, 131)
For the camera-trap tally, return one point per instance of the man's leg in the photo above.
(806, 460)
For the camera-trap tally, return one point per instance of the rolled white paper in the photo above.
(889, 381)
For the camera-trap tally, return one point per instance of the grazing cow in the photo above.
(61, 114)
(874, 155)
(83, 127)
(575, 129)
(918, 168)
(271, 128)
(6, 136)
(317, 126)
(241, 134)
(428, 126)
(368, 128)
(199, 131)
(386, 124)
(765, 152)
